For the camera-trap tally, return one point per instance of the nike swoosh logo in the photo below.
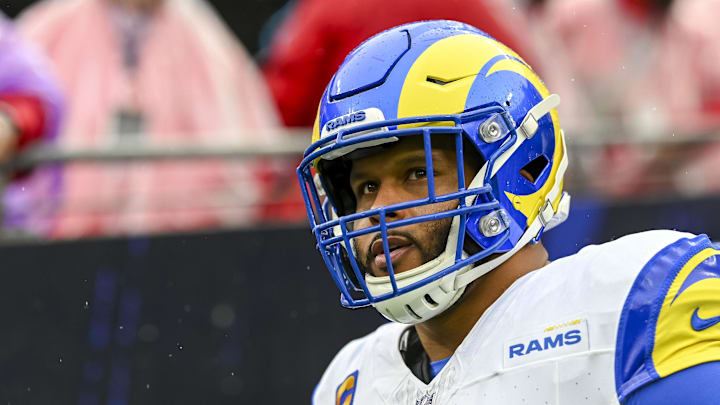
(700, 324)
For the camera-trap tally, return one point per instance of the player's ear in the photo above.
(527, 175)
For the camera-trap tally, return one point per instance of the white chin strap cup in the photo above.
(424, 302)
(562, 213)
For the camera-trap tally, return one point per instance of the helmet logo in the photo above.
(345, 120)
(351, 120)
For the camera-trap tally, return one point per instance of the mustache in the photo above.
(428, 251)
(368, 253)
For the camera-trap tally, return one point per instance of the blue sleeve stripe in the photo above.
(636, 330)
(696, 385)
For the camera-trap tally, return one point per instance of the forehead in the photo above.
(407, 150)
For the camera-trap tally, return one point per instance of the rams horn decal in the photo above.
(346, 390)
(685, 333)
(671, 315)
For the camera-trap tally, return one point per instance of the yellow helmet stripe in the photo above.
(529, 205)
(454, 61)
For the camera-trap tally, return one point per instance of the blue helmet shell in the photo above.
(434, 77)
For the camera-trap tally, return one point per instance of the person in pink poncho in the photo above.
(158, 72)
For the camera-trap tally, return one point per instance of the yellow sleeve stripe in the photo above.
(678, 345)
(345, 394)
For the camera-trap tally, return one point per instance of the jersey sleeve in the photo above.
(339, 383)
(696, 385)
(669, 322)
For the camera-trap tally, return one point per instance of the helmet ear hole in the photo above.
(534, 169)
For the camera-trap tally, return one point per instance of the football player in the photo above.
(437, 163)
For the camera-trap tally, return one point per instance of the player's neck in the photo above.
(442, 335)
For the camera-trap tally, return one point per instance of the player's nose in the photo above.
(387, 196)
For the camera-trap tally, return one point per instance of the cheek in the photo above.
(436, 208)
(363, 203)
(447, 184)
(359, 224)
(362, 241)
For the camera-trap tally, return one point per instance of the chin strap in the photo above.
(530, 125)
(561, 214)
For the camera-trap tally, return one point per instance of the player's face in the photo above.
(396, 175)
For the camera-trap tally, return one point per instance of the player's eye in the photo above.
(417, 173)
(367, 188)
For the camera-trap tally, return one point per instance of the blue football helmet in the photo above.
(428, 79)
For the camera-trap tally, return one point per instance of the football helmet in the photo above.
(428, 79)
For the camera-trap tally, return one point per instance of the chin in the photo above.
(399, 268)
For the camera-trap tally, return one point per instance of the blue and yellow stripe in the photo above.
(657, 335)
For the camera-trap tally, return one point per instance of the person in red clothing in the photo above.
(313, 40)
(22, 121)
(29, 98)
(8, 137)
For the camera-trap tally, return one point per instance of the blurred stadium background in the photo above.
(151, 255)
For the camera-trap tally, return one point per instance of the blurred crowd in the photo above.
(109, 73)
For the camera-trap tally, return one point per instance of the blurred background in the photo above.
(153, 243)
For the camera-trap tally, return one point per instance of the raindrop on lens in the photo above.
(222, 316)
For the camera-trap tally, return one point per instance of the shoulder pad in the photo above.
(341, 376)
(339, 383)
(668, 321)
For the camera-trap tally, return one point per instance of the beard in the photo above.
(435, 234)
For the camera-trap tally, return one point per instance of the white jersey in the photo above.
(557, 335)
